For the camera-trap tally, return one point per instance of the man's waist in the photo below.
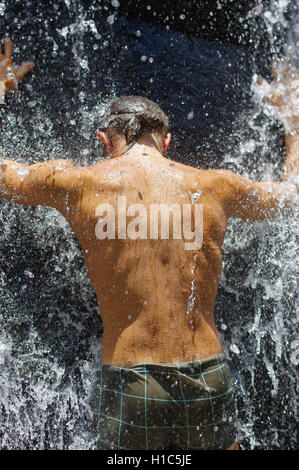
(202, 362)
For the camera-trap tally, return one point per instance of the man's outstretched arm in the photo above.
(48, 183)
(256, 201)
(54, 183)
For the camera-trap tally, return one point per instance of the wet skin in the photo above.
(156, 298)
(144, 287)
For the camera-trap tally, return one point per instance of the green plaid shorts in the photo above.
(165, 406)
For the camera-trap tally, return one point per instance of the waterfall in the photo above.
(50, 328)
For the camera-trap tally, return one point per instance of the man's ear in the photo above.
(166, 141)
(106, 141)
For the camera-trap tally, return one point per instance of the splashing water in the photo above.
(50, 326)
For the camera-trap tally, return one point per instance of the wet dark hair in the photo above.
(134, 116)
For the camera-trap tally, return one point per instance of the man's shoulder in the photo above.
(218, 173)
(222, 181)
(213, 177)
(209, 173)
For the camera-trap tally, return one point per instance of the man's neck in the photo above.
(146, 144)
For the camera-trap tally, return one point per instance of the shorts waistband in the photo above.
(217, 359)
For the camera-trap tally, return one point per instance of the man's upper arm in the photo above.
(47, 183)
(255, 201)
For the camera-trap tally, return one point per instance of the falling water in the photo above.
(50, 333)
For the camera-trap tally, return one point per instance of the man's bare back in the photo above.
(156, 298)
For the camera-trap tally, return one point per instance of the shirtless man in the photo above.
(164, 382)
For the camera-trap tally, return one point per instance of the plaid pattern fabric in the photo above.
(167, 406)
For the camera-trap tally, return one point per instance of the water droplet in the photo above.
(22, 171)
(196, 195)
(31, 104)
(110, 19)
(29, 274)
(234, 348)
